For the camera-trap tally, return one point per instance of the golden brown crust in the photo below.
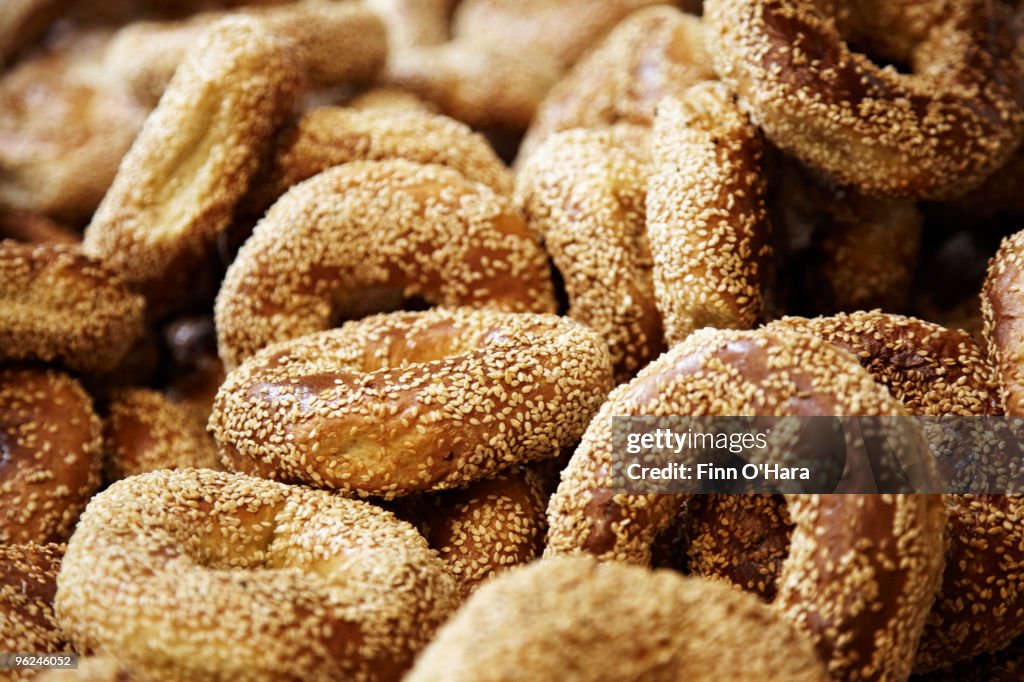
(325, 137)
(930, 369)
(35, 228)
(28, 581)
(862, 570)
(935, 133)
(144, 431)
(63, 130)
(177, 188)
(482, 89)
(60, 306)
(1003, 309)
(295, 583)
(575, 618)
(53, 454)
(396, 228)
(654, 53)
(339, 43)
(388, 99)
(706, 216)
(409, 402)
(96, 669)
(585, 193)
(486, 528)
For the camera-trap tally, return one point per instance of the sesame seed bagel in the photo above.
(144, 431)
(936, 132)
(485, 528)
(339, 43)
(331, 136)
(653, 53)
(576, 619)
(1003, 310)
(294, 583)
(930, 369)
(706, 215)
(57, 305)
(177, 187)
(410, 402)
(52, 448)
(585, 193)
(28, 581)
(392, 228)
(862, 570)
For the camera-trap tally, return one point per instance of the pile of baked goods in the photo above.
(316, 316)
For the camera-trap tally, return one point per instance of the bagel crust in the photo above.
(578, 619)
(706, 216)
(410, 402)
(1003, 309)
(57, 305)
(51, 441)
(935, 133)
(392, 227)
(282, 582)
(28, 581)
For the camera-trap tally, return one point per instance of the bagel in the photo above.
(177, 187)
(57, 305)
(585, 192)
(706, 217)
(865, 612)
(934, 133)
(1004, 329)
(339, 43)
(331, 136)
(637, 625)
(486, 528)
(410, 402)
(28, 581)
(654, 53)
(53, 454)
(391, 228)
(388, 99)
(63, 130)
(295, 583)
(144, 431)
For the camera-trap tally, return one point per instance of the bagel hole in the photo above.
(373, 300)
(901, 66)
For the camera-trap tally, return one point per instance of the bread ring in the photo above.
(331, 136)
(486, 528)
(144, 431)
(864, 612)
(932, 371)
(706, 214)
(654, 53)
(585, 193)
(339, 43)
(295, 583)
(28, 581)
(410, 402)
(63, 131)
(935, 133)
(1003, 310)
(1002, 666)
(637, 625)
(483, 89)
(53, 454)
(178, 185)
(394, 227)
(60, 306)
